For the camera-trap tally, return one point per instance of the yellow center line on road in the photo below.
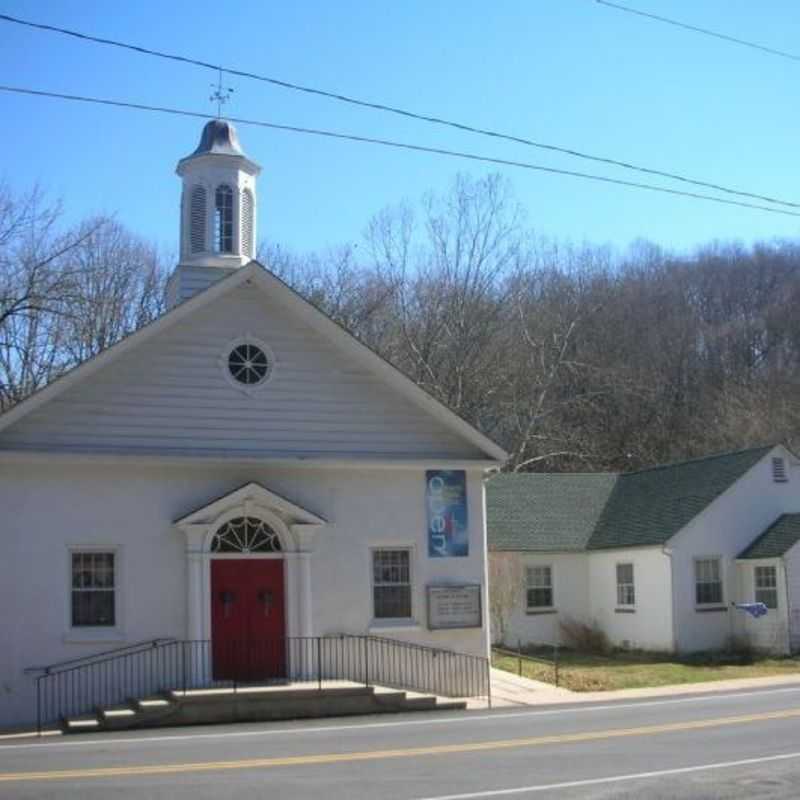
(375, 755)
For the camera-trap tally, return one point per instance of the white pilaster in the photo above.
(197, 567)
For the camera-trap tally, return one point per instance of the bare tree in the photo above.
(117, 284)
(35, 290)
(65, 295)
(572, 357)
(506, 588)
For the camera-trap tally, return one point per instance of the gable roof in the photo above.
(545, 512)
(256, 275)
(776, 540)
(650, 506)
(573, 512)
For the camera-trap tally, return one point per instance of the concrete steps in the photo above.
(256, 704)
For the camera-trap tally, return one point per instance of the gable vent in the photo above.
(779, 470)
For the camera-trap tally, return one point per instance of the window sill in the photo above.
(378, 625)
(709, 609)
(93, 636)
(624, 610)
(536, 611)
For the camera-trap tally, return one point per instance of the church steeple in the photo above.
(218, 211)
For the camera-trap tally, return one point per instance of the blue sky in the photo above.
(568, 72)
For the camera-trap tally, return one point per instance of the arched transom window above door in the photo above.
(246, 535)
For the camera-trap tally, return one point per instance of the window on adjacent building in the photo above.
(626, 594)
(223, 219)
(707, 581)
(93, 589)
(766, 583)
(391, 584)
(540, 587)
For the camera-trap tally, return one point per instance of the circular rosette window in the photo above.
(249, 365)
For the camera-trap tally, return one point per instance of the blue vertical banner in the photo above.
(446, 502)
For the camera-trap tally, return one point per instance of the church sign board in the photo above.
(446, 503)
(454, 607)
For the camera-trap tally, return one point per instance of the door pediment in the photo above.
(295, 525)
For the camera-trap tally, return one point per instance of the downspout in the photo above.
(788, 609)
(667, 551)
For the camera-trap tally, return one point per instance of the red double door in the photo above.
(247, 620)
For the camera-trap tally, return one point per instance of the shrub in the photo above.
(584, 638)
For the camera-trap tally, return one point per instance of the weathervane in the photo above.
(220, 95)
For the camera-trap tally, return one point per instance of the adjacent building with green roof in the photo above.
(666, 558)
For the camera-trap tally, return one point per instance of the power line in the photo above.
(401, 112)
(400, 145)
(696, 29)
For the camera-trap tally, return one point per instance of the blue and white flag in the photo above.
(755, 610)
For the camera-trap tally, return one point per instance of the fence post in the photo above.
(39, 705)
(519, 657)
(366, 661)
(489, 684)
(319, 663)
(555, 661)
(183, 665)
(237, 662)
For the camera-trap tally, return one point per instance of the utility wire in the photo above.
(399, 145)
(696, 29)
(401, 112)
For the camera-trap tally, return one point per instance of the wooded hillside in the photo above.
(572, 357)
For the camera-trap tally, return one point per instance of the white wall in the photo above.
(570, 598)
(585, 590)
(47, 507)
(724, 529)
(646, 626)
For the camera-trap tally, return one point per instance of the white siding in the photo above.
(187, 281)
(648, 626)
(46, 508)
(724, 530)
(170, 395)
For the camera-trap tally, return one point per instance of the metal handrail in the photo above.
(116, 652)
(553, 662)
(413, 645)
(77, 686)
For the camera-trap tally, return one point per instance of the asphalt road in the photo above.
(731, 745)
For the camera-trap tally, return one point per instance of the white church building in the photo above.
(240, 470)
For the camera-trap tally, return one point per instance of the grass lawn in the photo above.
(584, 672)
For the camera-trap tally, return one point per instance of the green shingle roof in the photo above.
(776, 540)
(651, 506)
(559, 512)
(545, 511)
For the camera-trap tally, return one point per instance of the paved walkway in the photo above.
(512, 690)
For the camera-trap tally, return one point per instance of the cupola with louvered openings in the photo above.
(218, 212)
